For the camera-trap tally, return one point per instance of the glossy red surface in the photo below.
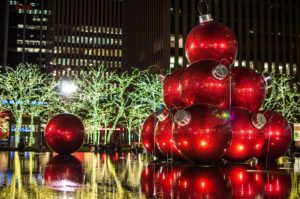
(148, 186)
(243, 182)
(64, 133)
(211, 41)
(198, 85)
(171, 90)
(148, 136)
(165, 178)
(64, 173)
(250, 88)
(202, 182)
(246, 139)
(275, 182)
(278, 134)
(206, 137)
(164, 138)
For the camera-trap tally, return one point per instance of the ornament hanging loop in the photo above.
(203, 9)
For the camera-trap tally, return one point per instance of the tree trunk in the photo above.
(31, 139)
(113, 127)
(18, 129)
(139, 133)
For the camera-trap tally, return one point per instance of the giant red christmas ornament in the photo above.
(211, 40)
(278, 135)
(202, 133)
(64, 173)
(171, 89)
(64, 133)
(247, 135)
(148, 136)
(164, 135)
(249, 90)
(202, 182)
(206, 82)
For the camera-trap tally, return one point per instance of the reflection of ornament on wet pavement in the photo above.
(64, 173)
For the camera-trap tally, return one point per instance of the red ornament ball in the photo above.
(64, 173)
(278, 134)
(246, 138)
(211, 41)
(148, 136)
(202, 133)
(164, 137)
(64, 133)
(250, 88)
(171, 90)
(206, 82)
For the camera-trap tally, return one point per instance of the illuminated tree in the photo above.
(95, 90)
(23, 90)
(123, 86)
(145, 99)
(282, 97)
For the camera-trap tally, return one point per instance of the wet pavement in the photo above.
(88, 175)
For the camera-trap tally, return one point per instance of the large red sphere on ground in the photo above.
(64, 173)
(211, 41)
(206, 82)
(64, 133)
(148, 136)
(250, 88)
(246, 138)
(171, 90)
(164, 138)
(278, 133)
(202, 182)
(202, 133)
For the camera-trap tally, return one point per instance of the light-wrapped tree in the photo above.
(283, 97)
(24, 89)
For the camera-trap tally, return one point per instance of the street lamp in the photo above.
(67, 87)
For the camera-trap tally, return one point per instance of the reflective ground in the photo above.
(88, 175)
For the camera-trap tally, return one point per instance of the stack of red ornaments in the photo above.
(212, 108)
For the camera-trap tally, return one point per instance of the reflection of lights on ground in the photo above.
(64, 185)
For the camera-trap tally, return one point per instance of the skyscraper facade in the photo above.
(84, 33)
(25, 28)
(66, 36)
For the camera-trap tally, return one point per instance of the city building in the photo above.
(84, 33)
(66, 36)
(25, 29)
